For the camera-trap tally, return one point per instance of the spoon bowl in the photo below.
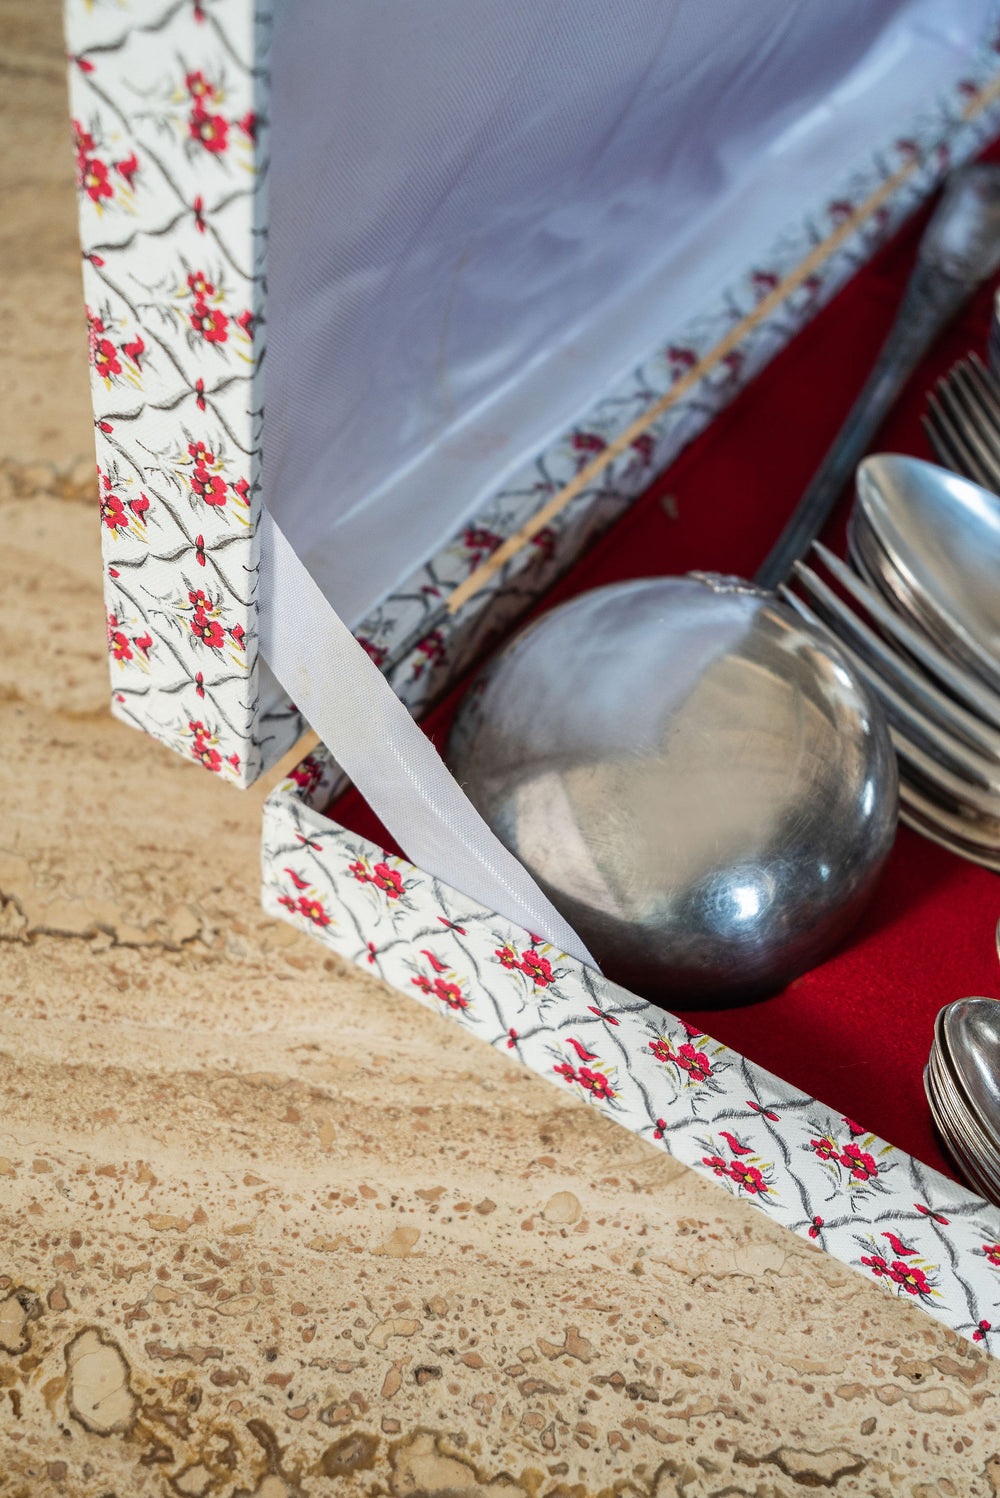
(942, 534)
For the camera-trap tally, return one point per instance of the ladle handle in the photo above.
(932, 298)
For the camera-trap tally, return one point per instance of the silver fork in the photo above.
(948, 749)
(963, 422)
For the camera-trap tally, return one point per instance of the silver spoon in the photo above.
(941, 536)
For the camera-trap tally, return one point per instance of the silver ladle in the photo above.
(698, 779)
(960, 249)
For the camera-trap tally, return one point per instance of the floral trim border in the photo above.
(169, 134)
(816, 1172)
(169, 99)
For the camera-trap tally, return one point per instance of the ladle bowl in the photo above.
(698, 781)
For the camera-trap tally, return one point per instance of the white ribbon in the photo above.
(346, 699)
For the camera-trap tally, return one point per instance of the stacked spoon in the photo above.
(962, 1082)
(918, 611)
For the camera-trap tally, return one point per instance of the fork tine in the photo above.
(944, 454)
(982, 422)
(984, 704)
(988, 378)
(941, 406)
(909, 698)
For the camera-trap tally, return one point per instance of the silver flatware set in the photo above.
(696, 770)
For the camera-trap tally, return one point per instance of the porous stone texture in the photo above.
(269, 1228)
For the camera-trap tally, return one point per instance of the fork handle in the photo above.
(931, 299)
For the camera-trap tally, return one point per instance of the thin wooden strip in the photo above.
(774, 298)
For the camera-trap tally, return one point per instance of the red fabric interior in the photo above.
(856, 1031)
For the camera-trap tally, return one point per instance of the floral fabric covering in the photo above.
(818, 1173)
(169, 103)
(167, 133)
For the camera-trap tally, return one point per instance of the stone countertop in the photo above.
(267, 1227)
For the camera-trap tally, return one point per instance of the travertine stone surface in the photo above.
(268, 1228)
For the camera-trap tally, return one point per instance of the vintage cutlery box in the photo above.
(508, 262)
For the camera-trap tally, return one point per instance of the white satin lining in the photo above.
(349, 703)
(483, 212)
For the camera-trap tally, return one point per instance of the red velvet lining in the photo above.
(856, 1031)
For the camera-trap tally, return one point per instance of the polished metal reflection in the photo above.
(941, 537)
(962, 1082)
(698, 781)
(917, 613)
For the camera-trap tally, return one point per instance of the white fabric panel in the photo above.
(371, 735)
(482, 211)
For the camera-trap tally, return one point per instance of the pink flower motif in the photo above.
(200, 286)
(980, 1332)
(208, 631)
(209, 757)
(817, 1223)
(544, 542)
(104, 358)
(128, 168)
(198, 85)
(118, 641)
(695, 1063)
(209, 130)
(313, 909)
(362, 875)
(749, 1177)
(242, 489)
(246, 321)
(826, 1148)
(210, 322)
(450, 994)
(566, 1071)
(83, 141)
(720, 1166)
(387, 880)
(479, 540)
(876, 1264)
(860, 1164)
(211, 487)
(113, 513)
(992, 1252)
(507, 956)
(538, 969)
(912, 1279)
(595, 1082)
(94, 179)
